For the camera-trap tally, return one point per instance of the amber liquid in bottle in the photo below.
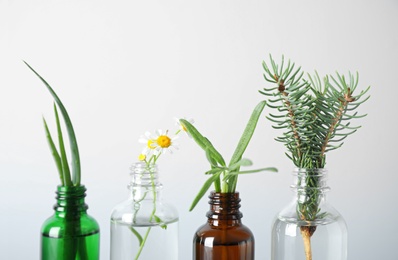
(223, 237)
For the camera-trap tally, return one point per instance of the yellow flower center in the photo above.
(163, 141)
(150, 144)
(142, 157)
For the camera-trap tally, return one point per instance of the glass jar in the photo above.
(70, 233)
(144, 226)
(309, 228)
(223, 237)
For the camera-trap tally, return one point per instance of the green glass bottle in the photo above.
(70, 234)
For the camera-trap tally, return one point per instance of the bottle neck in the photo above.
(310, 181)
(144, 184)
(70, 201)
(310, 188)
(224, 209)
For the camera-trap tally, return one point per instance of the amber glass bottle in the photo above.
(223, 237)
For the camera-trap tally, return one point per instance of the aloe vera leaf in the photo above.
(69, 127)
(64, 159)
(54, 152)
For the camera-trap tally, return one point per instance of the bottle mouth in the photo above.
(224, 206)
(308, 190)
(310, 171)
(306, 180)
(229, 199)
(142, 167)
(70, 197)
(71, 191)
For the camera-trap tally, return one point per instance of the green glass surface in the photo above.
(70, 234)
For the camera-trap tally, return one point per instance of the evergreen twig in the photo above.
(315, 115)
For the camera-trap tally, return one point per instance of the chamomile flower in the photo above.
(164, 142)
(154, 146)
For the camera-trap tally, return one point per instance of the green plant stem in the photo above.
(225, 187)
(217, 185)
(144, 239)
(142, 243)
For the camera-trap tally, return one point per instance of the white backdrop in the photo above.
(124, 67)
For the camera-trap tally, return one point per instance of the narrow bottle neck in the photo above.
(310, 187)
(70, 201)
(144, 184)
(224, 209)
(306, 180)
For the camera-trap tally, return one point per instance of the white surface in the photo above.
(124, 67)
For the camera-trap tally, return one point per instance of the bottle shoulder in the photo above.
(209, 228)
(224, 234)
(56, 226)
(143, 212)
(326, 214)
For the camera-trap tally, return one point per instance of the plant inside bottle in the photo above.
(70, 233)
(144, 226)
(224, 236)
(328, 241)
(316, 116)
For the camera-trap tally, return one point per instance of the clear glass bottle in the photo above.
(309, 228)
(223, 237)
(70, 234)
(144, 226)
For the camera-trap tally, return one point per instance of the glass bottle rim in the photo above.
(143, 175)
(320, 171)
(71, 191)
(300, 174)
(142, 167)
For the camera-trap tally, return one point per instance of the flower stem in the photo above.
(142, 244)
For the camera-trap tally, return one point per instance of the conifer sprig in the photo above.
(316, 116)
(314, 113)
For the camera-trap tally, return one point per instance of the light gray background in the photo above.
(124, 67)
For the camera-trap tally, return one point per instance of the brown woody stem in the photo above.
(281, 89)
(347, 98)
(306, 233)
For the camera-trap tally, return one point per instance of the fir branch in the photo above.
(315, 115)
(311, 111)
